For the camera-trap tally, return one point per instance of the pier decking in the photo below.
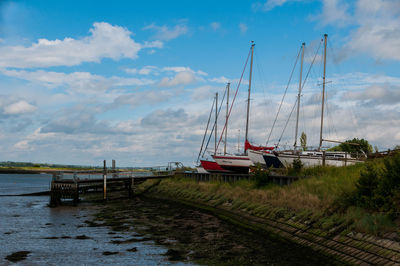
(231, 177)
(71, 188)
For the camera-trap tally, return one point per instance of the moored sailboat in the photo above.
(310, 158)
(239, 163)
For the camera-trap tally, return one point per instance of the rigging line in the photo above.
(336, 58)
(287, 122)
(262, 81)
(312, 63)
(234, 98)
(283, 98)
(261, 75)
(212, 130)
(205, 133)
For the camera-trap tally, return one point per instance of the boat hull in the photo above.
(234, 163)
(212, 167)
(256, 157)
(201, 170)
(271, 160)
(312, 161)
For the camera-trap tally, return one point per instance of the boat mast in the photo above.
(298, 96)
(248, 98)
(323, 93)
(216, 119)
(226, 121)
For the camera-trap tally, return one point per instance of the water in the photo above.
(49, 234)
(168, 233)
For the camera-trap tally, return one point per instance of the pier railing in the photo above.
(231, 177)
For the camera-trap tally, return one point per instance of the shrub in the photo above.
(378, 188)
(260, 175)
(297, 165)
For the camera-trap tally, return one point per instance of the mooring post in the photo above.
(132, 187)
(323, 158)
(104, 181)
(114, 175)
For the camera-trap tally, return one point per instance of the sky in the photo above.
(87, 81)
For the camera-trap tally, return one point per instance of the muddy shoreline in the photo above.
(195, 236)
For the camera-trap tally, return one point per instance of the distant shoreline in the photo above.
(15, 170)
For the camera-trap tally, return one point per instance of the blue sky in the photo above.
(83, 81)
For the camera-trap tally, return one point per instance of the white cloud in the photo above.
(131, 70)
(269, 4)
(204, 92)
(243, 28)
(12, 106)
(19, 107)
(83, 82)
(215, 25)
(143, 98)
(379, 29)
(376, 94)
(219, 80)
(181, 78)
(178, 69)
(164, 33)
(105, 41)
(23, 145)
(334, 12)
(147, 70)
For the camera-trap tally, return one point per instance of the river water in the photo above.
(60, 236)
(128, 232)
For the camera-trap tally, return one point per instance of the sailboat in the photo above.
(208, 166)
(310, 158)
(239, 163)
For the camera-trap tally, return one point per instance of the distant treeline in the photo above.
(68, 166)
(46, 165)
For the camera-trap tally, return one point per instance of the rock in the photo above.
(17, 256)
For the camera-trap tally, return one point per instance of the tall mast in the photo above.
(226, 121)
(248, 98)
(216, 119)
(298, 96)
(323, 93)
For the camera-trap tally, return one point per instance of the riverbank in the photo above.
(306, 212)
(196, 236)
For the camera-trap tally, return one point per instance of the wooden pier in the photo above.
(72, 188)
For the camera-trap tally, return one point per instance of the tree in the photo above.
(354, 146)
(303, 141)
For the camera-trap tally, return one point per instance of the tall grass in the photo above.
(312, 198)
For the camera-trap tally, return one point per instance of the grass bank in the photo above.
(325, 210)
(317, 202)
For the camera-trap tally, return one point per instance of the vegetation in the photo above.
(378, 188)
(260, 176)
(303, 141)
(354, 147)
(28, 165)
(297, 167)
(330, 199)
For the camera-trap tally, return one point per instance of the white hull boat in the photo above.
(234, 163)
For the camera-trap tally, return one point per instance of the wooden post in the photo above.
(104, 181)
(345, 159)
(113, 169)
(76, 194)
(130, 187)
(323, 158)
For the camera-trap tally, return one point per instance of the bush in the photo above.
(261, 176)
(297, 165)
(378, 188)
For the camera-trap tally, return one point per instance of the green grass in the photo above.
(313, 200)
